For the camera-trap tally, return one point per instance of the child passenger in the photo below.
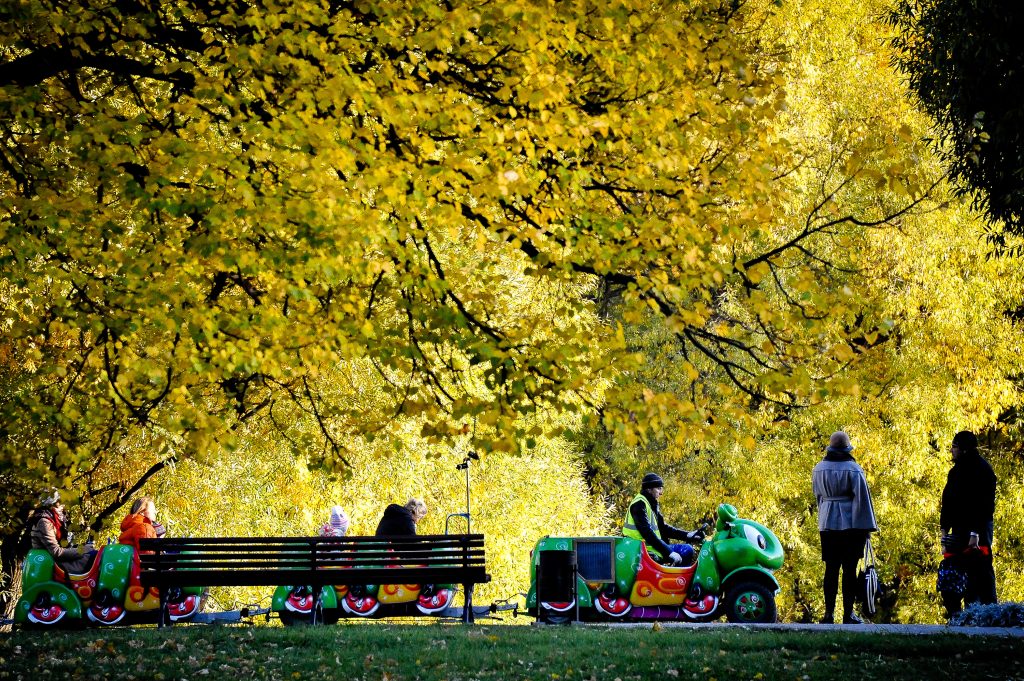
(337, 525)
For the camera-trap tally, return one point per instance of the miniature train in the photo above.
(615, 579)
(610, 579)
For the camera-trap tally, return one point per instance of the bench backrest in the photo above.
(270, 561)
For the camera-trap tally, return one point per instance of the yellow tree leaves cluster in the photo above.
(211, 211)
(946, 354)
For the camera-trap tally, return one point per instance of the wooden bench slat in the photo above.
(324, 552)
(207, 563)
(317, 578)
(439, 539)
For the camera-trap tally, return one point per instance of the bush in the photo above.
(991, 615)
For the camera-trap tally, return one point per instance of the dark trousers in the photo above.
(841, 550)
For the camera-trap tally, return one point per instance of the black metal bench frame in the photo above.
(314, 561)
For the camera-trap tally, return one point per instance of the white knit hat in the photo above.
(339, 521)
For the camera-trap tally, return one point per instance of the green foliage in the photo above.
(939, 352)
(965, 66)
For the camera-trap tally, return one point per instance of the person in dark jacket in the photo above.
(49, 528)
(401, 520)
(845, 519)
(968, 506)
(645, 522)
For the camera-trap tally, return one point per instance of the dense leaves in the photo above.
(965, 65)
(208, 208)
(945, 358)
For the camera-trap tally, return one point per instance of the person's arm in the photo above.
(47, 535)
(638, 511)
(862, 506)
(817, 485)
(670, 532)
(948, 510)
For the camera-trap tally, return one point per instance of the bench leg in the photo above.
(317, 605)
(467, 615)
(162, 616)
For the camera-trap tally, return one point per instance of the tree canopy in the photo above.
(210, 207)
(965, 65)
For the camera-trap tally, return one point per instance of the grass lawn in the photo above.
(370, 652)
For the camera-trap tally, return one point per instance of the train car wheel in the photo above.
(707, 609)
(612, 605)
(112, 614)
(184, 609)
(750, 603)
(47, 616)
(360, 607)
(435, 602)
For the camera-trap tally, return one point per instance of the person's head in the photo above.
(146, 506)
(840, 442)
(964, 442)
(417, 509)
(50, 500)
(339, 520)
(653, 485)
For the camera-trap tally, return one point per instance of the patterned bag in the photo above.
(952, 577)
(868, 580)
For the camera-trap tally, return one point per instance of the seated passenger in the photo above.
(49, 527)
(140, 523)
(645, 522)
(401, 520)
(336, 525)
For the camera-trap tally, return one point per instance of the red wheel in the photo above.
(613, 606)
(111, 614)
(704, 610)
(361, 607)
(430, 605)
(47, 615)
(299, 604)
(183, 609)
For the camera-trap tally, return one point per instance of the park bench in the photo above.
(314, 561)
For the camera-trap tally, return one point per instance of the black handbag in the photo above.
(867, 580)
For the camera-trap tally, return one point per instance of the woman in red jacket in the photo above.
(139, 524)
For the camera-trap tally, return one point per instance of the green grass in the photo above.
(368, 652)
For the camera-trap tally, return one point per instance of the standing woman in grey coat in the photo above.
(845, 518)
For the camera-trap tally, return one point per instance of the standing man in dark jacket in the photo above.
(645, 522)
(968, 505)
(401, 520)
